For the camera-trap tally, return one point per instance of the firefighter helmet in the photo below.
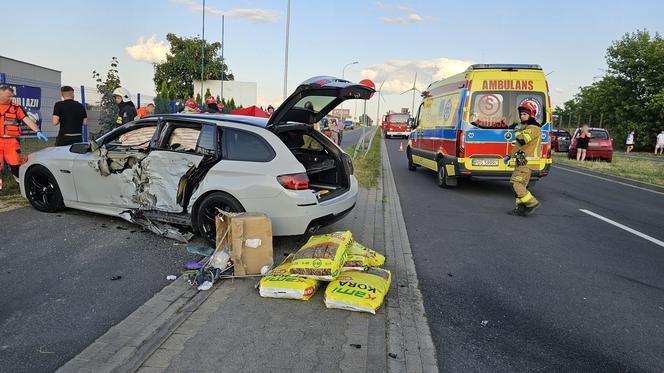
(210, 100)
(122, 92)
(529, 108)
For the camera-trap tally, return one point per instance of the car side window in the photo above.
(246, 146)
(207, 140)
(137, 138)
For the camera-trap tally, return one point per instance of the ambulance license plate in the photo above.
(485, 162)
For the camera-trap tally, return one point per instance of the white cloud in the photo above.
(394, 7)
(149, 50)
(398, 74)
(253, 14)
(411, 18)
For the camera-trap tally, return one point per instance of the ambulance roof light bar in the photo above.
(508, 66)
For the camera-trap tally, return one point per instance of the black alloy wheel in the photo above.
(42, 190)
(208, 209)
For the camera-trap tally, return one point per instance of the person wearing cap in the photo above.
(270, 109)
(527, 140)
(126, 108)
(191, 107)
(11, 116)
(212, 107)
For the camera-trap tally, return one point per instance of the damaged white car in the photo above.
(178, 170)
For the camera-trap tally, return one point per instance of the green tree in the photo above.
(163, 90)
(231, 104)
(207, 93)
(183, 64)
(630, 96)
(198, 98)
(109, 109)
(172, 95)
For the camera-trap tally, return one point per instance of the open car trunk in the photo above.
(328, 167)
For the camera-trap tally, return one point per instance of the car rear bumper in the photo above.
(291, 217)
(498, 175)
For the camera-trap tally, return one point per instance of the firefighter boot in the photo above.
(519, 210)
(530, 209)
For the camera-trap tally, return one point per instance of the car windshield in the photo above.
(599, 135)
(399, 118)
(498, 109)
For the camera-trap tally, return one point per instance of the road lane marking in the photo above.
(628, 229)
(606, 179)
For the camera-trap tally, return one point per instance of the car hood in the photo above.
(325, 91)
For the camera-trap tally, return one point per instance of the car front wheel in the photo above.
(42, 190)
(208, 210)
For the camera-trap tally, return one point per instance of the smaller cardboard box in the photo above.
(248, 236)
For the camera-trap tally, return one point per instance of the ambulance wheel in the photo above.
(42, 190)
(444, 181)
(206, 213)
(411, 165)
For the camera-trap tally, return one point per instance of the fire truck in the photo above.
(396, 124)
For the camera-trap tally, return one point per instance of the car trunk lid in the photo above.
(324, 92)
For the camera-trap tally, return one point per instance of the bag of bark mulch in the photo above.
(280, 284)
(360, 258)
(322, 257)
(362, 291)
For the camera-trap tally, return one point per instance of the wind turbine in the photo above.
(414, 89)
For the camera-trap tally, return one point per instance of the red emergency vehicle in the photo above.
(395, 124)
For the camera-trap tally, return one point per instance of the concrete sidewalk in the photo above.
(230, 328)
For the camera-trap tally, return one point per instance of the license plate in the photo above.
(484, 162)
(593, 144)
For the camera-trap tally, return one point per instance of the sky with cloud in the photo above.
(391, 41)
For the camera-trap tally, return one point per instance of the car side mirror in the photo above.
(80, 148)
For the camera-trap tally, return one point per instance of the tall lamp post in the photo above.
(343, 74)
(203, 51)
(286, 52)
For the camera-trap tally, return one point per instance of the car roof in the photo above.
(242, 119)
(594, 129)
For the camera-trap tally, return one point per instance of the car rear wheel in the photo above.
(207, 212)
(444, 181)
(42, 190)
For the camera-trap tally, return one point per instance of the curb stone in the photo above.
(407, 329)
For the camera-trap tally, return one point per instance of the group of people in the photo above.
(333, 129)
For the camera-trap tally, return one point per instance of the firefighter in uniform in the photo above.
(11, 116)
(526, 146)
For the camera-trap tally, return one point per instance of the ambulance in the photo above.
(465, 124)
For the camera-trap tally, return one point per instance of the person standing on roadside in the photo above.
(126, 108)
(143, 112)
(582, 139)
(660, 143)
(270, 109)
(334, 128)
(11, 116)
(527, 140)
(629, 143)
(71, 116)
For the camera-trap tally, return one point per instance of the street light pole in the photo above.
(286, 52)
(343, 74)
(203, 50)
(223, 46)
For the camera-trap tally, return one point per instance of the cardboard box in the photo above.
(248, 236)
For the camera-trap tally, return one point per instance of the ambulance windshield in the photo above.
(498, 109)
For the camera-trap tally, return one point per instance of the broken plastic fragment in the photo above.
(485, 322)
(171, 277)
(200, 250)
(193, 265)
(205, 286)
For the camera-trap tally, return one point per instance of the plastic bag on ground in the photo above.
(322, 257)
(362, 291)
(360, 258)
(280, 284)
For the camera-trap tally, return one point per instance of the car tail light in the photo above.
(294, 181)
(548, 152)
(461, 144)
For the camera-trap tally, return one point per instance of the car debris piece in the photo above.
(171, 277)
(200, 250)
(115, 278)
(484, 322)
(392, 355)
(160, 229)
(193, 265)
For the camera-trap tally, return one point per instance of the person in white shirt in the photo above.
(630, 142)
(660, 143)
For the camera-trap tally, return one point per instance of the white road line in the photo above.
(628, 229)
(611, 180)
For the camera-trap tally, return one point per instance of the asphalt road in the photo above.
(58, 296)
(57, 292)
(558, 291)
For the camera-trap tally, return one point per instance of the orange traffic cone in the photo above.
(400, 146)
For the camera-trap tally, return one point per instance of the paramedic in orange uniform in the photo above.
(11, 116)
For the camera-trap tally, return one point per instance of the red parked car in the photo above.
(600, 145)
